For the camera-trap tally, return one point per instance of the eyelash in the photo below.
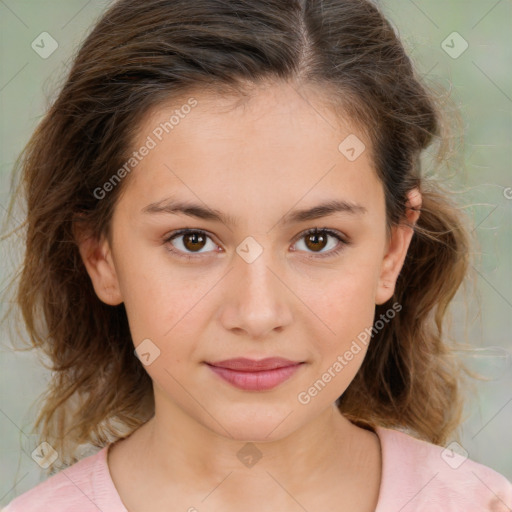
(332, 253)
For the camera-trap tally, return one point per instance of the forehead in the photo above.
(277, 142)
(260, 110)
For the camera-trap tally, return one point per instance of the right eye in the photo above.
(189, 243)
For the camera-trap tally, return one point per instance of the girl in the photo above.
(238, 272)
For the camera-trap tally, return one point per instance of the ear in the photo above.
(97, 257)
(397, 247)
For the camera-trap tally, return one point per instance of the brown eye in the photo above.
(194, 241)
(189, 243)
(316, 240)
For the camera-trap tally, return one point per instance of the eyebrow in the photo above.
(325, 209)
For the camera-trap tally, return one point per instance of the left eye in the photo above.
(191, 242)
(317, 239)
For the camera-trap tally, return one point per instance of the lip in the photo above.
(255, 375)
(254, 365)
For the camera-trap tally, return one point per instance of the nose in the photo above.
(256, 299)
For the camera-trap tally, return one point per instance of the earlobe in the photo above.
(97, 257)
(400, 239)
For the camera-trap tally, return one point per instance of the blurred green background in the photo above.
(480, 80)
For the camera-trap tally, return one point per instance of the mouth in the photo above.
(255, 375)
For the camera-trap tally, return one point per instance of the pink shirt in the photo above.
(416, 476)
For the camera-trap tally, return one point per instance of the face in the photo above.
(239, 274)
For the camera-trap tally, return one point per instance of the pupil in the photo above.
(193, 239)
(316, 238)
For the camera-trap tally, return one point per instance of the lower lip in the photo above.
(256, 381)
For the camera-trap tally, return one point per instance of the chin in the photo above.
(259, 425)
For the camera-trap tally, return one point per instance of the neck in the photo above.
(181, 449)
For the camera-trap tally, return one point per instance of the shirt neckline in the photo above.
(114, 499)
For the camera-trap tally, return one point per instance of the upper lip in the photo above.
(254, 365)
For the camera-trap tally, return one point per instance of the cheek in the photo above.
(346, 309)
(169, 306)
(346, 302)
(156, 292)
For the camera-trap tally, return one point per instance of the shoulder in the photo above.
(82, 487)
(420, 476)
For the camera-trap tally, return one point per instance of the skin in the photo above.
(276, 153)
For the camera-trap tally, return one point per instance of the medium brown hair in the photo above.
(140, 54)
